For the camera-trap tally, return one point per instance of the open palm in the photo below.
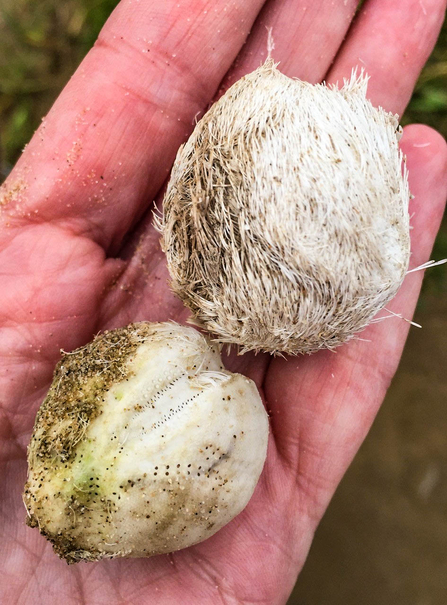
(78, 254)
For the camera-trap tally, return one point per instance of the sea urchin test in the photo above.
(144, 445)
(285, 222)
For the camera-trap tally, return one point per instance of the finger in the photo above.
(329, 400)
(392, 41)
(306, 37)
(106, 146)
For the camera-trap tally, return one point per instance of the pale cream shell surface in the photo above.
(173, 456)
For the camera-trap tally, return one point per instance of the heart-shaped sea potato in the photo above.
(143, 445)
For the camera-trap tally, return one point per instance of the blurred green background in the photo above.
(383, 540)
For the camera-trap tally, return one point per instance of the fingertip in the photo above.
(426, 157)
(425, 150)
(424, 144)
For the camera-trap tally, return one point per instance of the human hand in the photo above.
(78, 254)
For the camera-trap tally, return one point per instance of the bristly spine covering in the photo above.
(286, 224)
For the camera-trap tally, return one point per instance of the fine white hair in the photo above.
(286, 224)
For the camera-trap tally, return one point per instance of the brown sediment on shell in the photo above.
(285, 221)
(76, 393)
(144, 445)
(65, 546)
